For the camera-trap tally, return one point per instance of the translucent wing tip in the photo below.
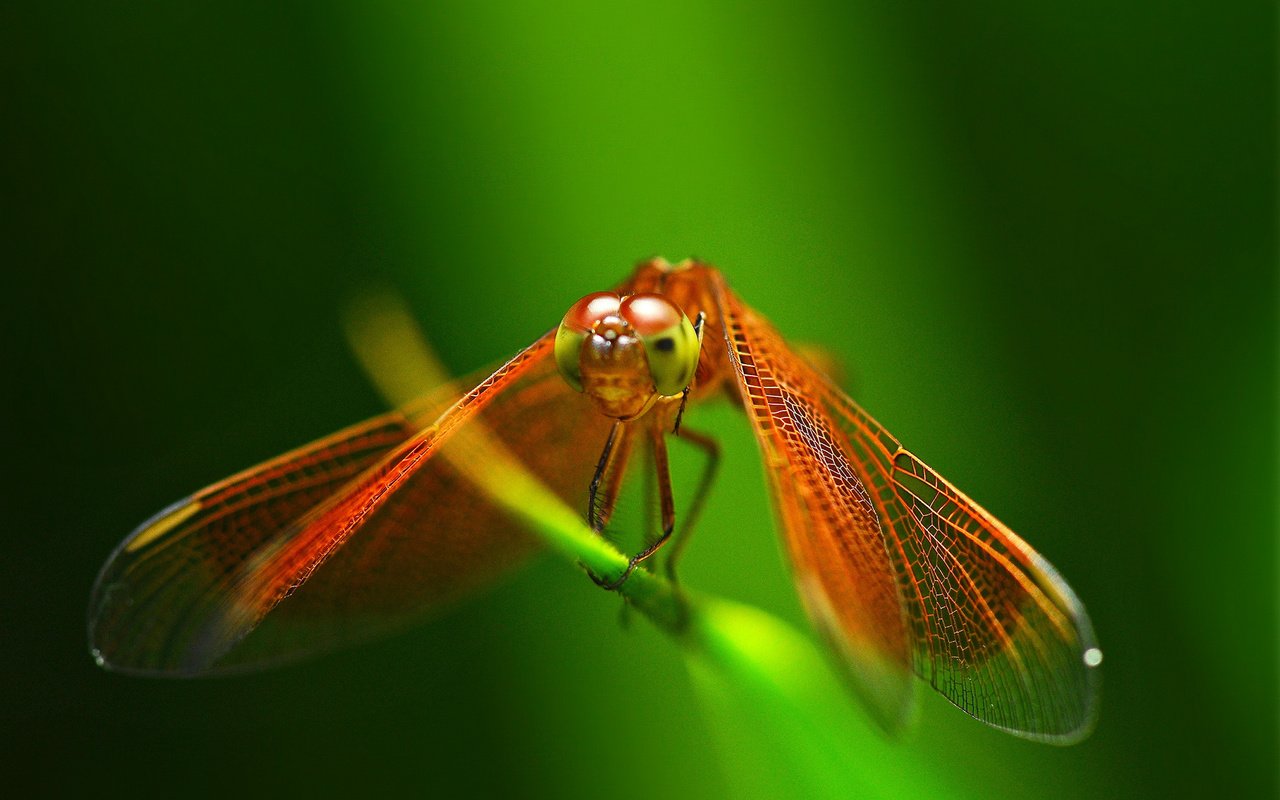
(1069, 701)
(127, 600)
(1089, 655)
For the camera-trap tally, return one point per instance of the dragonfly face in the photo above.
(626, 352)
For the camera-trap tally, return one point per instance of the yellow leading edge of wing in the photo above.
(165, 523)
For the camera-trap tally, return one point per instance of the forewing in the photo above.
(400, 533)
(990, 623)
(135, 602)
(842, 568)
(995, 628)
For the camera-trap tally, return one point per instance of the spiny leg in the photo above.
(610, 470)
(712, 449)
(602, 467)
(662, 469)
(605, 501)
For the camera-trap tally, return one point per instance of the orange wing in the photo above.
(339, 540)
(911, 574)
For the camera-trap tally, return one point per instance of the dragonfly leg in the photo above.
(711, 448)
(595, 518)
(606, 485)
(606, 499)
(684, 396)
(666, 501)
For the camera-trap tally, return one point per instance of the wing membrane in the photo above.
(223, 523)
(843, 570)
(337, 548)
(983, 618)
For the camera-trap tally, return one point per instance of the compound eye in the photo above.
(591, 309)
(574, 329)
(670, 342)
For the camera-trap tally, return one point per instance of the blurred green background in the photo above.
(1040, 238)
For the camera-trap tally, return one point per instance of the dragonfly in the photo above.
(901, 573)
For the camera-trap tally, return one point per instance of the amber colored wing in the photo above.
(903, 571)
(360, 532)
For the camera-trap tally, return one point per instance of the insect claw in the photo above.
(614, 585)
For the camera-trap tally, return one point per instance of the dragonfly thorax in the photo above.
(626, 352)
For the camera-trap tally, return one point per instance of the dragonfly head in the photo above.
(626, 352)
